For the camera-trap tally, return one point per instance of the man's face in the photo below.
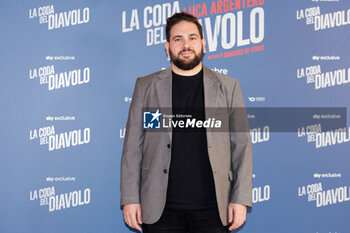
(185, 46)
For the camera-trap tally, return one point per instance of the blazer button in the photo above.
(165, 171)
(168, 145)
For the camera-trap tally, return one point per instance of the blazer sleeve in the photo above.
(241, 150)
(132, 151)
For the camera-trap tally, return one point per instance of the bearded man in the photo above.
(186, 180)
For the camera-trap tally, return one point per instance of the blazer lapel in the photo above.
(211, 86)
(164, 89)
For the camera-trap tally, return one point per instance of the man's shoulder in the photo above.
(155, 75)
(224, 79)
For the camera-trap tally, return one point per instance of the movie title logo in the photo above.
(225, 31)
(315, 192)
(48, 197)
(320, 21)
(54, 80)
(321, 80)
(46, 14)
(56, 141)
(314, 134)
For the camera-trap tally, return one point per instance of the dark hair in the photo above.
(178, 17)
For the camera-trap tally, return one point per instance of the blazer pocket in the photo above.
(230, 175)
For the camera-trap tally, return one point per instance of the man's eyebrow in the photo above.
(192, 34)
(177, 36)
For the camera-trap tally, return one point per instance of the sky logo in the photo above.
(151, 120)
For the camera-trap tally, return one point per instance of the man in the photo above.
(186, 180)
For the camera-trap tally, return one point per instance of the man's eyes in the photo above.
(191, 38)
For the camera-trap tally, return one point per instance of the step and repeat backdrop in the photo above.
(68, 70)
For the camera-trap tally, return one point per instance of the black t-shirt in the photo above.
(191, 183)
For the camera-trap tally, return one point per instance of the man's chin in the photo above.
(187, 58)
(186, 62)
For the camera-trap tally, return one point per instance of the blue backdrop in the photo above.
(68, 69)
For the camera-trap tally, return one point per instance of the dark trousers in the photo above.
(187, 221)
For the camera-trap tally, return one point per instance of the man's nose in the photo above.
(186, 43)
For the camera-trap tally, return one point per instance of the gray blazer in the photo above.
(146, 155)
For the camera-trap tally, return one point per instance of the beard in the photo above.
(186, 65)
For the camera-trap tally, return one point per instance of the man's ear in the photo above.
(204, 43)
(166, 46)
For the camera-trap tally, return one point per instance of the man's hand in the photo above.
(237, 214)
(132, 215)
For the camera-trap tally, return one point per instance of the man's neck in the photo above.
(192, 72)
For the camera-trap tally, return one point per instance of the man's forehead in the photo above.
(183, 28)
